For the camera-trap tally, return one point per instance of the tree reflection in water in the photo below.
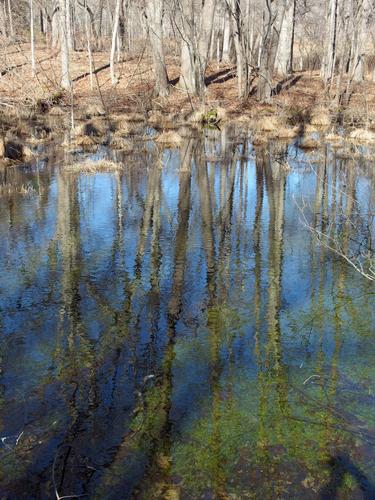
(176, 331)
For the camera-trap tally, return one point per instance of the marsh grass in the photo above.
(309, 143)
(121, 143)
(320, 117)
(92, 167)
(9, 189)
(268, 124)
(170, 138)
(361, 135)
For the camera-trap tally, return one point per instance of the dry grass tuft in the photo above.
(268, 124)
(362, 135)
(93, 128)
(196, 116)
(134, 117)
(92, 167)
(320, 117)
(10, 189)
(209, 116)
(121, 143)
(334, 139)
(345, 153)
(242, 119)
(13, 150)
(84, 141)
(286, 132)
(156, 118)
(259, 139)
(169, 138)
(123, 128)
(94, 110)
(56, 111)
(309, 143)
(310, 129)
(222, 114)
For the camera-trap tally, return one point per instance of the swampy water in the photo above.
(175, 330)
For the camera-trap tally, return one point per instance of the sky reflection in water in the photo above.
(174, 330)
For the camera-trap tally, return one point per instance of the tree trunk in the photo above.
(55, 28)
(226, 37)
(196, 37)
(89, 51)
(32, 41)
(274, 16)
(359, 62)
(116, 20)
(284, 52)
(65, 62)
(154, 21)
(328, 65)
(68, 20)
(11, 29)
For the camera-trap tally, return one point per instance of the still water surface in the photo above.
(173, 330)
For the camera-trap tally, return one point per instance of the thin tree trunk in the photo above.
(116, 20)
(329, 58)
(89, 52)
(68, 20)
(32, 41)
(11, 29)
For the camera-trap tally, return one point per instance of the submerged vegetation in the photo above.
(207, 312)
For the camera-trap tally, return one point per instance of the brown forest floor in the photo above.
(134, 92)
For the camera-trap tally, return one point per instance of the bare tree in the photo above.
(195, 26)
(274, 16)
(65, 53)
(32, 40)
(153, 14)
(116, 20)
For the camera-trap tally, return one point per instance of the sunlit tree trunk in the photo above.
(329, 58)
(55, 28)
(32, 41)
(196, 36)
(274, 15)
(65, 62)
(285, 47)
(154, 21)
(226, 37)
(362, 38)
(116, 20)
(10, 13)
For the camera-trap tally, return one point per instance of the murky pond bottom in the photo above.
(175, 330)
